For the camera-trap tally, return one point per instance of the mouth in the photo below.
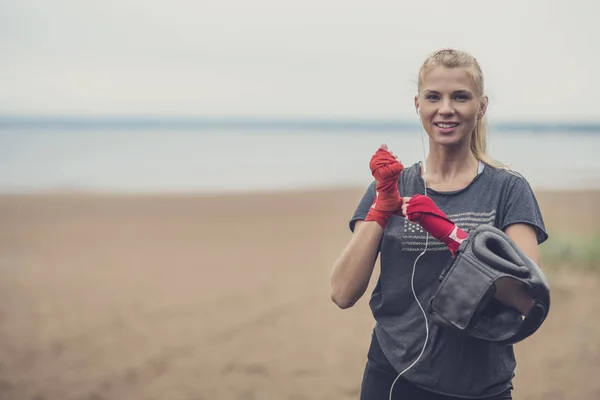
(446, 127)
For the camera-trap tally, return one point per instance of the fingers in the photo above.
(381, 158)
(405, 201)
(385, 147)
(385, 164)
(397, 167)
(382, 154)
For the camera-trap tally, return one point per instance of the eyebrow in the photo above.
(459, 91)
(462, 91)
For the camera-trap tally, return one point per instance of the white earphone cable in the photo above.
(412, 279)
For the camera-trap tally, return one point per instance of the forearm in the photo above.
(353, 269)
(510, 291)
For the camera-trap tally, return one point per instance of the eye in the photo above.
(461, 97)
(432, 97)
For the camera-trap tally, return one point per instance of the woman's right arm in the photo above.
(353, 269)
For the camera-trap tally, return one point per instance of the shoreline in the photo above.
(237, 193)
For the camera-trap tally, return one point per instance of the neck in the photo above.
(450, 164)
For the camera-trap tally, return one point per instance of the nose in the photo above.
(446, 108)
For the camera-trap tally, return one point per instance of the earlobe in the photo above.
(483, 108)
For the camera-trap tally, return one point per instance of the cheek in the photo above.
(472, 111)
(427, 115)
(469, 116)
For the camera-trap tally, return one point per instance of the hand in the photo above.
(405, 201)
(423, 210)
(386, 170)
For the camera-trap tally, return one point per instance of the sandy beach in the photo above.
(227, 297)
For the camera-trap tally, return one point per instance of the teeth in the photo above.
(441, 125)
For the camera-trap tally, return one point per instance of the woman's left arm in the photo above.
(510, 291)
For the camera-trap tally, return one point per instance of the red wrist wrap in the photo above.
(386, 170)
(423, 210)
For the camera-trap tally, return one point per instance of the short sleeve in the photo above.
(363, 206)
(521, 206)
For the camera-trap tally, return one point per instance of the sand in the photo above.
(226, 297)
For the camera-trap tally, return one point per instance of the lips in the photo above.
(446, 125)
(446, 128)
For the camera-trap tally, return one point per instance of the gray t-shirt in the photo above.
(452, 364)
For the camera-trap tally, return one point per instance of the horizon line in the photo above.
(138, 122)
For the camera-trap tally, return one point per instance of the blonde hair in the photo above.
(450, 58)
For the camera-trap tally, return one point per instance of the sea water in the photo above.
(210, 161)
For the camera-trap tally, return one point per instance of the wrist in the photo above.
(445, 231)
(387, 200)
(381, 217)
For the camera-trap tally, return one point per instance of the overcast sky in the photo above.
(332, 58)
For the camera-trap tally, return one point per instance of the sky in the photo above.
(280, 58)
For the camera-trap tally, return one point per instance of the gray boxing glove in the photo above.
(464, 301)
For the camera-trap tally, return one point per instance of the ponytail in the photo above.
(479, 145)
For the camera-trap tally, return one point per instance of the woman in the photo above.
(463, 188)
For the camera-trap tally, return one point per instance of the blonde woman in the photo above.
(464, 188)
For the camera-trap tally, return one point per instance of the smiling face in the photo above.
(449, 104)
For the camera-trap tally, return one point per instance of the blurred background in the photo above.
(176, 180)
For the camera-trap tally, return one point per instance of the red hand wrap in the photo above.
(386, 170)
(423, 210)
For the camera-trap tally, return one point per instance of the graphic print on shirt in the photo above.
(413, 235)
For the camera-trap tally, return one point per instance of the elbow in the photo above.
(343, 301)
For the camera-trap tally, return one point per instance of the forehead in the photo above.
(442, 79)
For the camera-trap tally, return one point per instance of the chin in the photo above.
(448, 140)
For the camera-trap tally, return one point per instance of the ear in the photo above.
(417, 104)
(483, 107)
